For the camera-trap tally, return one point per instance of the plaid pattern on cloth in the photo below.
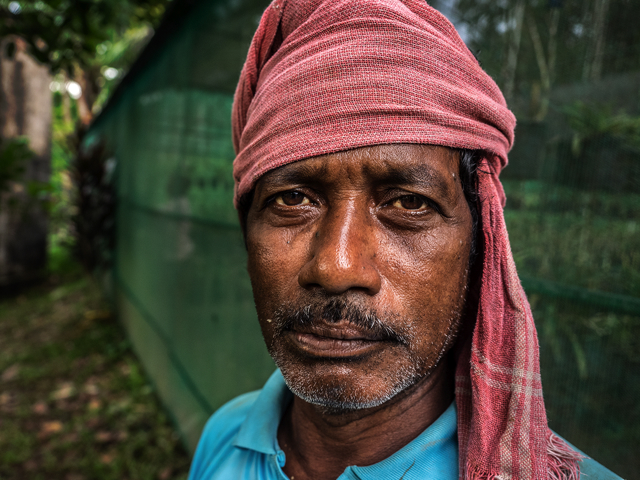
(324, 76)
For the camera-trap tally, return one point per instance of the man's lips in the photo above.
(334, 340)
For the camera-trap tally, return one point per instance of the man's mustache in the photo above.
(288, 317)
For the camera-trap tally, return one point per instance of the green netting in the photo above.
(573, 215)
(181, 285)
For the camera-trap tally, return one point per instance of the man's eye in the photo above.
(292, 199)
(410, 202)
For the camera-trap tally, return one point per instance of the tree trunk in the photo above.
(25, 110)
(546, 63)
(594, 54)
(85, 79)
(587, 22)
(599, 28)
(509, 70)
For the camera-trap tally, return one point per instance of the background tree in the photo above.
(530, 46)
(69, 53)
(75, 37)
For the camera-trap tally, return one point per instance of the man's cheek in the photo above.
(273, 280)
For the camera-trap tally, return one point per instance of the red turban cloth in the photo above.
(324, 76)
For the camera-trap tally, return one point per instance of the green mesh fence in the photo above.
(180, 279)
(573, 216)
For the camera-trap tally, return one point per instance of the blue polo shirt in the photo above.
(240, 442)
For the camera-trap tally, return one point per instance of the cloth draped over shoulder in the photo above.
(323, 76)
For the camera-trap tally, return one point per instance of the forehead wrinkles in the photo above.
(415, 165)
(421, 165)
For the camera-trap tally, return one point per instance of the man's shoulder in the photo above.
(220, 431)
(227, 420)
(591, 469)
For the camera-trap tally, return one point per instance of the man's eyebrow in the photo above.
(385, 174)
(419, 175)
(299, 172)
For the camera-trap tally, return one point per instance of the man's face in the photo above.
(359, 264)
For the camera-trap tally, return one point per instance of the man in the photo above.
(369, 143)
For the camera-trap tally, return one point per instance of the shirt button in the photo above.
(280, 458)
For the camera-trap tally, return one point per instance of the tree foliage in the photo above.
(528, 46)
(67, 33)
(591, 121)
(80, 40)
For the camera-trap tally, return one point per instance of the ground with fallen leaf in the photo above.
(74, 401)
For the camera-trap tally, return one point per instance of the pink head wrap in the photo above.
(324, 76)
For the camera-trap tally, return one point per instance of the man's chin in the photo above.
(339, 388)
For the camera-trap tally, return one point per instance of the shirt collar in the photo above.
(436, 450)
(259, 431)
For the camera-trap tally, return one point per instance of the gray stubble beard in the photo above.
(334, 399)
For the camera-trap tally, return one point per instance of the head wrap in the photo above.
(324, 76)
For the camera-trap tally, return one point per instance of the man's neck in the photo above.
(320, 445)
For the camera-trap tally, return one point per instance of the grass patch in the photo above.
(74, 401)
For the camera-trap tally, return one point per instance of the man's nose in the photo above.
(343, 250)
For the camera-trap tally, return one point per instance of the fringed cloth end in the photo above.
(563, 460)
(474, 473)
(563, 464)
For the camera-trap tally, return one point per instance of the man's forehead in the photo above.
(399, 164)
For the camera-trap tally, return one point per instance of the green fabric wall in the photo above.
(179, 274)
